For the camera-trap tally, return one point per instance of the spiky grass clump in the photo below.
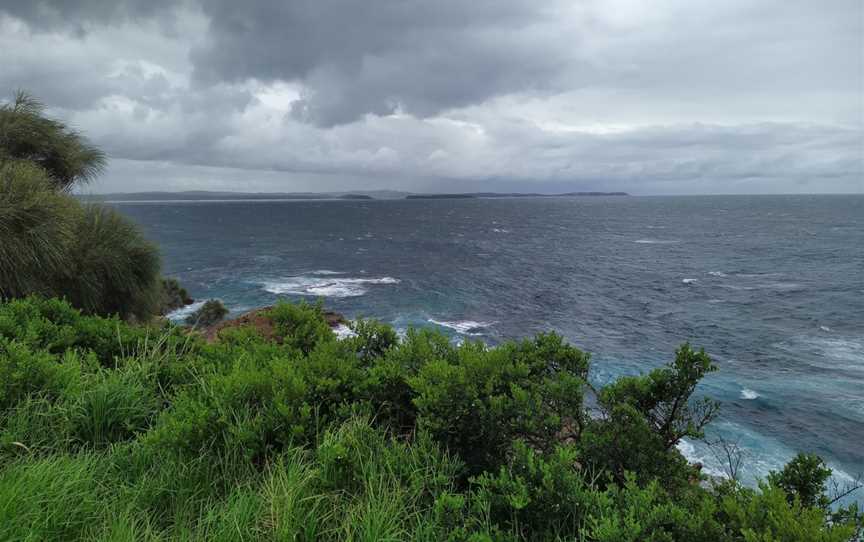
(54, 246)
(27, 134)
(36, 229)
(113, 269)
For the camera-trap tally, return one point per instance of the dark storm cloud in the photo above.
(672, 97)
(356, 58)
(76, 14)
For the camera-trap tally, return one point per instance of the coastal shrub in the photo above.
(803, 478)
(166, 437)
(54, 325)
(26, 134)
(767, 514)
(478, 402)
(211, 312)
(301, 325)
(644, 417)
(372, 339)
(25, 372)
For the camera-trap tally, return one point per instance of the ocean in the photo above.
(771, 286)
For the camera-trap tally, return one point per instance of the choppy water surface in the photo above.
(771, 286)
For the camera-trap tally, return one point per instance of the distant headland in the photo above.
(205, 195)
(511, 195)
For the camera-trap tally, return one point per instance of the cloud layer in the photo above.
(678, 97)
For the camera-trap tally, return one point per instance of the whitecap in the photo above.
(717, 274)
(825, 328)
(657, 241)
(688, 450)
(749, 394)
(466, 327)
(689, 281)
(182, 313)
(342, 331)
(319, 286)
(500, 230)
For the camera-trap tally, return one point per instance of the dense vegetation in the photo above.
(53, 245)
(110, 431)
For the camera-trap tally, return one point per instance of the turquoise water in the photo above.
(771, 286)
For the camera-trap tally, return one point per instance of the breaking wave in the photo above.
(749, 394)
(466, 327)
(182, 313)
(325, 286)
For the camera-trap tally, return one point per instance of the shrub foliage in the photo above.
(144, 434)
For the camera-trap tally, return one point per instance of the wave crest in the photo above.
(749, 394)
(319, 286)
(465, 327)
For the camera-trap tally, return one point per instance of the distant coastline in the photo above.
(511, 195)
(205, 195)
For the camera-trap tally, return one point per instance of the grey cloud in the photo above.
(356, 58)
(684, 96)
(76, 14)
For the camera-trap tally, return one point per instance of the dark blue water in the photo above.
(771, 286)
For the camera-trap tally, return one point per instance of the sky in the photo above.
(659, 97)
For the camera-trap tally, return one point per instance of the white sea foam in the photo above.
(343, 332)
(749, 394)
(500, 230)
(182, 313)
(717, 274)
(466, 327)
(321, 286)
(688, 450)
(825, 328)
(689, 281)
(657, 241)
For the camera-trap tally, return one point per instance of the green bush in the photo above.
(164, 437)
(478, 401)
(301, 325)
(211, 312)
(644, 417)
